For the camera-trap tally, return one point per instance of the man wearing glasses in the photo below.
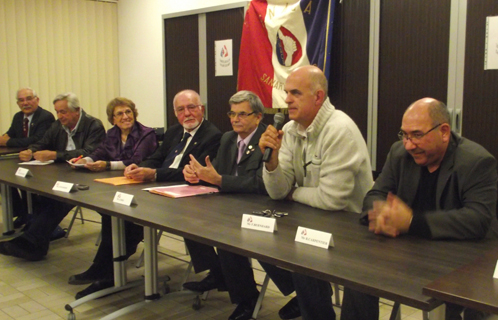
(191, 136)
(434, 184)
(236, 169)
(28, 126)
(74, 133)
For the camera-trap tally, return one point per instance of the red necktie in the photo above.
(25, 127)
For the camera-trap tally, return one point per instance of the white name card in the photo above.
(23, 172)
(259, 223)
(314, 237)
(495, 275)
(64, 186)
(124, 198)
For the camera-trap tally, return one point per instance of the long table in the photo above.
(395, 269)
(10, 150)
(8, 225)
(471, 285)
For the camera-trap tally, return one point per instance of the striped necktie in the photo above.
(178, 149)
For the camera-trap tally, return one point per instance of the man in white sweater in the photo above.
(319, 159)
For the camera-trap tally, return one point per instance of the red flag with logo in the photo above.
(278, 38)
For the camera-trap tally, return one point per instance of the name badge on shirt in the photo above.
(64, 186)
(124, 198)
(23, 172)
(259, 223)
(314, 237)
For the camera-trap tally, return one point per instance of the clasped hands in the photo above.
(195, 172)
(135, 172)
(391, 217)
(43, 155)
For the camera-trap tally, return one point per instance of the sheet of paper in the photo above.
(117, 181)
(180, 191)
(76, 164)
(36, 163)
(491, 51)
(223, 58)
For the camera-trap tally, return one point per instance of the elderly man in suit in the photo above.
(28, 126)
(75, 133)
(434, 184)
(237, 168)
(192, 136)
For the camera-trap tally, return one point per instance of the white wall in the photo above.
(140, 37)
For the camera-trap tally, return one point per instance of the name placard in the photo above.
(259, 223)
(124, 198)
(495, 275)
(63, 186)
(23, 172)
(314, 237)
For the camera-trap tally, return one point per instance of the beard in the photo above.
(190, 125)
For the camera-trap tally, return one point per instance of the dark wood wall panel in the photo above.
(348, 83)
(414, 46)
(225, 24)
(181, 58)
(480, 102)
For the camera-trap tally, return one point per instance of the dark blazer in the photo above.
(88, 136)
(465, 194)
(250, 167)
(40, 122)
(204, 143)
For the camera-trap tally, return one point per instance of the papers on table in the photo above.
(183, 190)
(76, 164)
(36, 163)
(117, 181)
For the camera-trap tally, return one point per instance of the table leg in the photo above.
(119, 251)
(150, 263)
(29, 200)
(396, 312)
(7, 214)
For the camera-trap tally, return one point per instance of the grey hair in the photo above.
(439, 112)
(73, 102)
(251, 97)
(27, 88)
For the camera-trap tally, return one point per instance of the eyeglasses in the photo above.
(27, 99)
(190, 107)
(241, 115)
(416, 136)
(120, 114)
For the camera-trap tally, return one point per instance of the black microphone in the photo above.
(278, 122)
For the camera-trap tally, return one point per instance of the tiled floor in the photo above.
(39, 290)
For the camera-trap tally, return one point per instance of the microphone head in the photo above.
(278, 120)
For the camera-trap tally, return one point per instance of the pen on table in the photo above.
(76, 160)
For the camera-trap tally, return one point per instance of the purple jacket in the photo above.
(140, 144)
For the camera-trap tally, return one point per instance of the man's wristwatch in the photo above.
(108, 165)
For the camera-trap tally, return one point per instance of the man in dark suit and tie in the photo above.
(74, 133)
(193, 135)
(237, 168)
(28, 126)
